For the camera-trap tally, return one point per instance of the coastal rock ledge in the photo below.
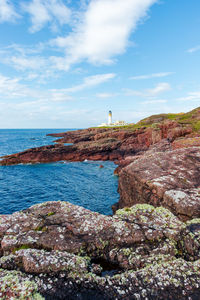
(57, 250)
(170, 179)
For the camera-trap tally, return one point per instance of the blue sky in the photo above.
(66, 63)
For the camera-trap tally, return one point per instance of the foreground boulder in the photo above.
(170, 179)
(57, 250)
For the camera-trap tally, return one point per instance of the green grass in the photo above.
(196, 126)
(190, 118)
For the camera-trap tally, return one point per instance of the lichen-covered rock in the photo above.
(65, 227)
(16, 285)
(170, 179)
(162, 279)
(40, 261)
(189, 245)
(61, 251)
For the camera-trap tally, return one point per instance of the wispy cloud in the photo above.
(156, 101)
(105, 95)
(192, 96)
(14, 89)
(30, 60)
(43, 12)
(153, 75)
(194, 49)
(102, 32)
(7, 11)
(160, 88)
(30, 63)
(91, 81)
(157, 90)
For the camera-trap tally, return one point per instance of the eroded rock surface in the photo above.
(103, 143)
(170, 179)
(57, 250)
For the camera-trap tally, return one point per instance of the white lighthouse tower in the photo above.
(110, 117)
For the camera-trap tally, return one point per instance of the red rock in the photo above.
(170, 179)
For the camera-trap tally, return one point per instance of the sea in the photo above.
(80, 183)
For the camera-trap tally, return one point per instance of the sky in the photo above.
(66, 63)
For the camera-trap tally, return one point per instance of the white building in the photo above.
(112, 124)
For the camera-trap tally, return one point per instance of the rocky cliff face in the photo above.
(57, 250)
(170, 179)
(102, 144)
(150, 248)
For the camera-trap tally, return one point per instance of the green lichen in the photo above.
(15, 285)
(103, 244)
(193, 221)
(41, 228)
(51, 214)
(134, 209)
(22, 247)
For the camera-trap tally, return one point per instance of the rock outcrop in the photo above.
(149, 249)
(57, 250)
(170, 179)
(113, 143)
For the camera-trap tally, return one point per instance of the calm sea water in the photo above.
(81, 183)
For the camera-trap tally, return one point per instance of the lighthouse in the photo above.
(110, 117)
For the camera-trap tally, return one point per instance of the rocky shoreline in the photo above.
(62, 251)
(150, 247)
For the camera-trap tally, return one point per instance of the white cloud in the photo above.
(30, 60)
(156, 101)
(100, 30)
(103, 31)
(192, 96)
(194, 49)
(160, 88)
(105, 95)
(7, 11)
(91, 81)
(24, 63)
(154, 75)
(13, 89)
(44, 11)
(157, 90)
(10, 87)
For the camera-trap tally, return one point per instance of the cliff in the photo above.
(149, 249)
(115, 143)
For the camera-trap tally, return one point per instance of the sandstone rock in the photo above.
(101, 143)
(170, 179)
(186, 142)
(57, 250)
